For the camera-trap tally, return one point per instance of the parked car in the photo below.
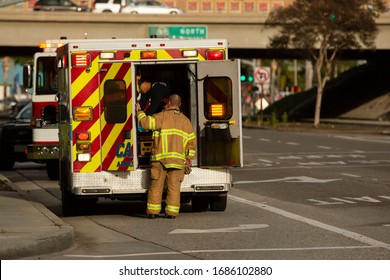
(15, 135)
(109, 6)
(149, 7)
(59, 6)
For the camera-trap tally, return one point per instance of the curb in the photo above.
(39, 244)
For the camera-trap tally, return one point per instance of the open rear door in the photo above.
(219, 103)
(117, 128)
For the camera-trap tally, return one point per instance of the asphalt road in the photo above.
(303, 196)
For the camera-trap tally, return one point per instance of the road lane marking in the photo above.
(216, 251)
(292, 143)
(350, 175)
(320, 163)
(349, 200)
(298, 179)
(264, 140)
(121, 255)
(277, 249)
(350, 234)
(324, 147)
(240, 228)
(385, 141)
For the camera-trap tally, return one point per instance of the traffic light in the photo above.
(246, 76)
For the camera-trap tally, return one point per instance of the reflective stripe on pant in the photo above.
(174, 178)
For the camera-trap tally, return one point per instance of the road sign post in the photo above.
(262, 75)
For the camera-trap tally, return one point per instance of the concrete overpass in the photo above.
(21, 32)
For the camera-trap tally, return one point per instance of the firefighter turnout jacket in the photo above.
(173, 137)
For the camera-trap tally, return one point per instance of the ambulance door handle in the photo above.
(126, 134)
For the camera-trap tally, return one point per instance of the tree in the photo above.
(323, 28)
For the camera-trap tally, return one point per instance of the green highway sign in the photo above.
(178, 32)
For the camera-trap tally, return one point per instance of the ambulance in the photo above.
(41, 76)
(104, 155)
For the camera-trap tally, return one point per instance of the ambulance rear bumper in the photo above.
(109, 183)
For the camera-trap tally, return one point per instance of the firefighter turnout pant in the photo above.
(173, 177)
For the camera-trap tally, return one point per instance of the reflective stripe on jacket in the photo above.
(173, 137)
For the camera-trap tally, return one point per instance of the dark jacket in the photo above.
(155, 99)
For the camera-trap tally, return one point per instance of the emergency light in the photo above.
(82, 113)
(81, 60)
(189, 53)
(47, 45)
(217, 110)
(215, 54)
(148, 54)
(107, 55)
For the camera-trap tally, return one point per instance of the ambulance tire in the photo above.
(7, 160)
(218, 203)
(73, 206)
(53, 169)
(200, 203)
(69, 204)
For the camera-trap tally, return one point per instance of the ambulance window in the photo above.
(218, 98)
(115, 101)
(46, 76)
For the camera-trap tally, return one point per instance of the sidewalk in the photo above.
(348, 126)
(28, 228)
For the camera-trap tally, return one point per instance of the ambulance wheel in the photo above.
(7, 160)
(200, 203)
(73, 206)
(69, 204)
(53, 169)
(69, 201)
(218, 203)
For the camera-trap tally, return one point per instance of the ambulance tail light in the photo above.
(83, 157)
(83, 136)
(82, 113)
(215, 55)
(81, 60)
(83, 146)
(148, 55)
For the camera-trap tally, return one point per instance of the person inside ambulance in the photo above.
(173, 149)
(153, 95)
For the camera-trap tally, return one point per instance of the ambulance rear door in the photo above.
(116, 121)
(219, 122)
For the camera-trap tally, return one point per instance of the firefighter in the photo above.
(172, 152)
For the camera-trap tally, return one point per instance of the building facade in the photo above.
(227, 7)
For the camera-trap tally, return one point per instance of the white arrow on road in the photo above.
(298, 179)
(240, 228)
